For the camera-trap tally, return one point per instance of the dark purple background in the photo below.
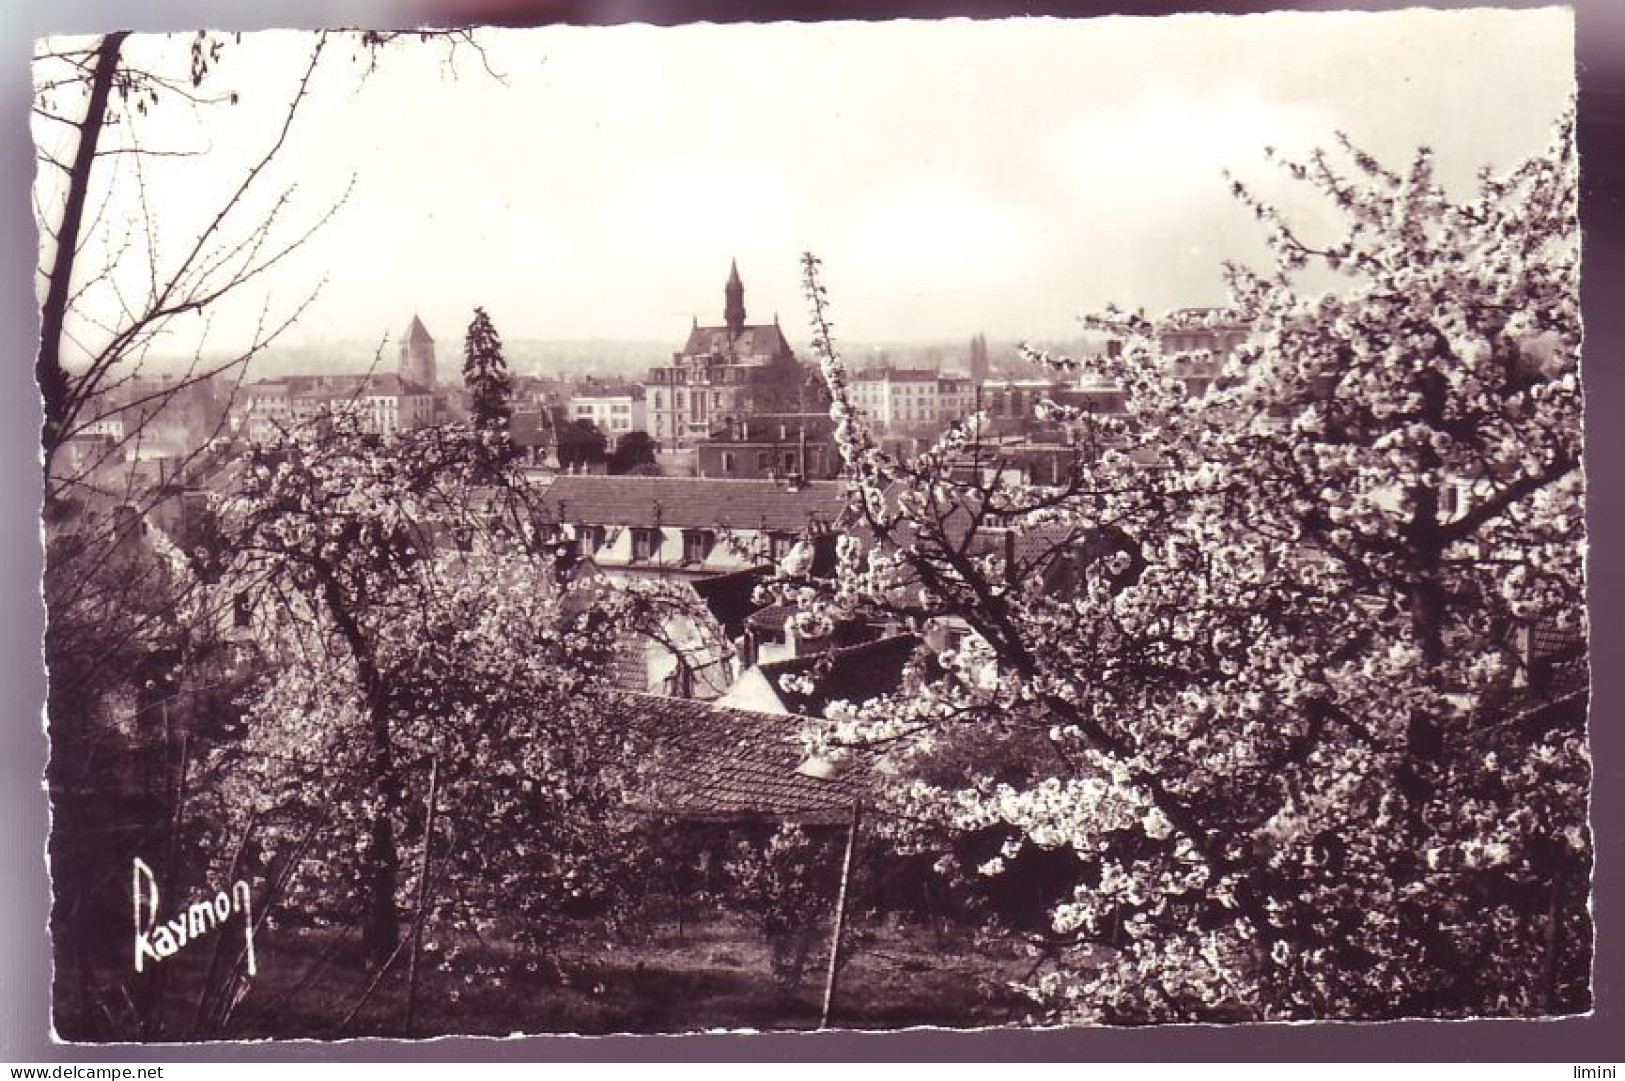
(25, 962)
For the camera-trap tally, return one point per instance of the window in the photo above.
(589, 538)
(727, 461)
(790, 462)
(779, 545)
(645, 543)
(697, 545)
(764, 461)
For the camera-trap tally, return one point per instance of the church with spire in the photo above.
(721, 374)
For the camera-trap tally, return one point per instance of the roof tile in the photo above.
(694, 502)
(709, 761)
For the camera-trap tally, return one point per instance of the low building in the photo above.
(909, 398)
(771, 446)
(386, 403)
(616, 411)
(683, 526)
(809, 682)
(707, 762)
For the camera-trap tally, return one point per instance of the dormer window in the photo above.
(645, 543)
(589, 538)
(697, 545)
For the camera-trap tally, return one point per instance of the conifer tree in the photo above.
(485, 374)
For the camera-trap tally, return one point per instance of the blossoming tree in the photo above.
(1263, 664)
(422, 626)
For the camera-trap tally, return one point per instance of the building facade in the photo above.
(904, 398)
(721, 373)
(614, 410)
(674, 527)
(769, 446)
(385, 402)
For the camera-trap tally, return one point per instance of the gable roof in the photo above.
(694, 503)
(729, 597)
(754, 340)
(713, 762)
(853, 674)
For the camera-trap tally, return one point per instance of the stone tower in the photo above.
(417, 355)
(733, 312)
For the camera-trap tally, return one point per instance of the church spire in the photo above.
(733, 313)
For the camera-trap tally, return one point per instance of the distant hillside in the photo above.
(605, 359)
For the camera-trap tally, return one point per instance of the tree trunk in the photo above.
(381, 923)
(53, 379)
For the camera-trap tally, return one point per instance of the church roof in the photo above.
(417, 333)
(756, 340)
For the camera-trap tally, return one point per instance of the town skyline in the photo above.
(956, 178)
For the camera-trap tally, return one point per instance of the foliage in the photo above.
(485, 374)
(634, 449)
(785, 885)
(421, 621)
(1252, 664)
(581, 444)
(786, 385)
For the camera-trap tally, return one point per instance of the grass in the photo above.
(713, 975)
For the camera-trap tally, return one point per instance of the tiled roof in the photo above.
(854, 674)
(391, 384)
(775, 428)
(771, 618)
(338, 387)
(713, 762)
(527, 429)
(753, 341)
(694, 503)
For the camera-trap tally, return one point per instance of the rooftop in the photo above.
(854, 674)
(754, 340)
(590, 390)
(416, 332)
(694, 503)
(714, 762)
(729, 597)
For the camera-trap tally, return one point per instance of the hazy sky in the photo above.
(955, 177)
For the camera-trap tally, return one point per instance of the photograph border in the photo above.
(24, 896)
